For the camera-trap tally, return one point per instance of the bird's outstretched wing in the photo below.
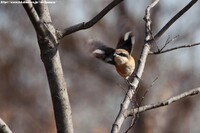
(101, 51)
(126, 42)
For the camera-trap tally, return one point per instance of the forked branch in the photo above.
(33, 15)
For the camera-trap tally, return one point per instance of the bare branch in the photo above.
(129, 95)
(164, 103)
(4, 127)
(175, 48)
(93, 21)
(177, 16)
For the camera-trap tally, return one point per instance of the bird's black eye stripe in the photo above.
(122, 54)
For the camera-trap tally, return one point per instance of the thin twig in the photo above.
(177, 16)
(167, 42)
(133, 121)
(125, 91)
(93, 21)
(175, 48)
(148, 89)
(164, 103)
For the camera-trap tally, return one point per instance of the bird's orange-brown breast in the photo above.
(126, 69)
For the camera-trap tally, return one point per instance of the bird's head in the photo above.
(121, 56)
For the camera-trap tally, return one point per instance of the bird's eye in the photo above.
(124, 55)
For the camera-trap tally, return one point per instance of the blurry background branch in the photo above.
(4, 127)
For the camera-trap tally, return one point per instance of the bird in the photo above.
(120, 57)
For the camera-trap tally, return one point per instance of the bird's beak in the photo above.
(114, 54)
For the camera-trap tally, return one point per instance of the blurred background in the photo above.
(95, 89)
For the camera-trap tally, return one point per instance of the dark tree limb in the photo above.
(192, 92)
(86, 25)
(176, 17)
(4, 127)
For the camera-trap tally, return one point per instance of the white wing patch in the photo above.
(133, 40)
(98, 51)
(127, 35)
